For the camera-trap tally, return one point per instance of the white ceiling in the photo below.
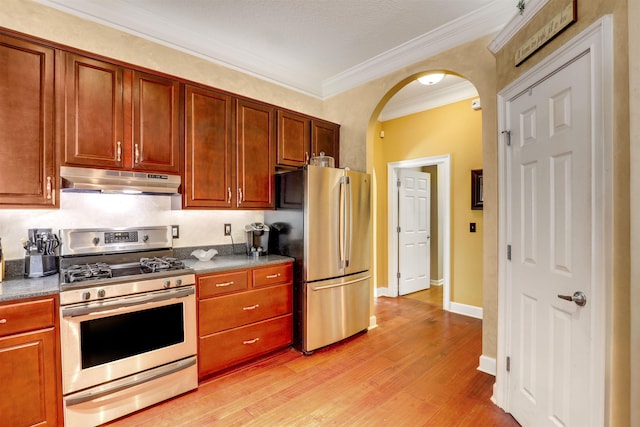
(318, 47)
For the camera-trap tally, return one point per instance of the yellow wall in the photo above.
(454, 129)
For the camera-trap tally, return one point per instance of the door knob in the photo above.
(578, 297)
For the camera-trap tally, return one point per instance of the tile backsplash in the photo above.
(81, 210)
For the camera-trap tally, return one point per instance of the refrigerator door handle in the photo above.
(348, 221)
(342, 221)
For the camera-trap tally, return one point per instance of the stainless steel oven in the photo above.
(127, 323)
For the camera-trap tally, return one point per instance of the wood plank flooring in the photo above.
(433, 295)
(417, 368)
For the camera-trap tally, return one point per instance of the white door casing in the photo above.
(444, 208)
(414, 219)
(555, 199)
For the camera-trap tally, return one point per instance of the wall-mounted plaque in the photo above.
(559, 22)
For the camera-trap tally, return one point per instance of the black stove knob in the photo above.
(101, 293)
(145, 238)
(167, 283)
(95, 241)
(178, 282)
(86, 295)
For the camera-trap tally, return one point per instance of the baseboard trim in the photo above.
(439, 282)
(381, 292)
(487, 365)
(466, 310)
(373, 323)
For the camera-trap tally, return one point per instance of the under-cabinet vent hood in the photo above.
(114, 181)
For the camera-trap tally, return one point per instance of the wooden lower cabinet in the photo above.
(28, 364)
(240, 323)
(228, 348)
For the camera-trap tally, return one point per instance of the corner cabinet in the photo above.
(27, 115)
(229, 151)
(242, 315)
(301, 137)
(28, 361)
(119, 118)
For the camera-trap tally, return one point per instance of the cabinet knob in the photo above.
(229, 195)
(240, 198)
(3, 321)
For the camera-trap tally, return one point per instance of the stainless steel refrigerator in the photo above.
(322, 220)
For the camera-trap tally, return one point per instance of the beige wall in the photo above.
(454, 129)
(590, 11)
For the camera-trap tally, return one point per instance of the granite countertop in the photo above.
(21, 288)
(232, 262)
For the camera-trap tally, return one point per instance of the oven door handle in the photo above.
(95, 308)
(128, 382)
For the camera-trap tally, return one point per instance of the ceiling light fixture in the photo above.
(431, 79)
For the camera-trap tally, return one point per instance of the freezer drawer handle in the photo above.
(253, 341)
(319, 288)
(273, 276)
(223, 284)
(251, 307)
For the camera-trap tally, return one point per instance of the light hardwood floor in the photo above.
(417, 368)
(433, 295)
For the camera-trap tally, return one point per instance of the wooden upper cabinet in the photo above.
(255, 154)
(120, 118)
(27, 154)
(325, 138)
(209, 180)
(94, 133)
(294, 139)
(156, 123)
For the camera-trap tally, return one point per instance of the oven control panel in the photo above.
(120, 236)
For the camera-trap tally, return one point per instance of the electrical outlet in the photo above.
(175, 231)
(227, 229)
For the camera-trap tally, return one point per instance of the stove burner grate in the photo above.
(152, 265)
(78, 272)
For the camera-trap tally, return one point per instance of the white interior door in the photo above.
(550, 228)
(414, 214)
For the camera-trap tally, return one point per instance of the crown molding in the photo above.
(487, 20)
(516, 24)
(421, 102)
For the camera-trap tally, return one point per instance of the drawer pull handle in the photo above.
(2, 321)
(222, 285)
(253, 341)
(273, 276)
(251, 307)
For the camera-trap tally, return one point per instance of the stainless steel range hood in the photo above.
(114, 181)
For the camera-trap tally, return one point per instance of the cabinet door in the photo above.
(209, 180)
(94, 127)
(156, 123)
(325, 138)
(27, 370)
(255, 155)
(27, 155)
(294, 136)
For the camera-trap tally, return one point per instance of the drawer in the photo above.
(224, 349)
(26, 316)
(274, 275)
(223, 283)
(230, 311)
